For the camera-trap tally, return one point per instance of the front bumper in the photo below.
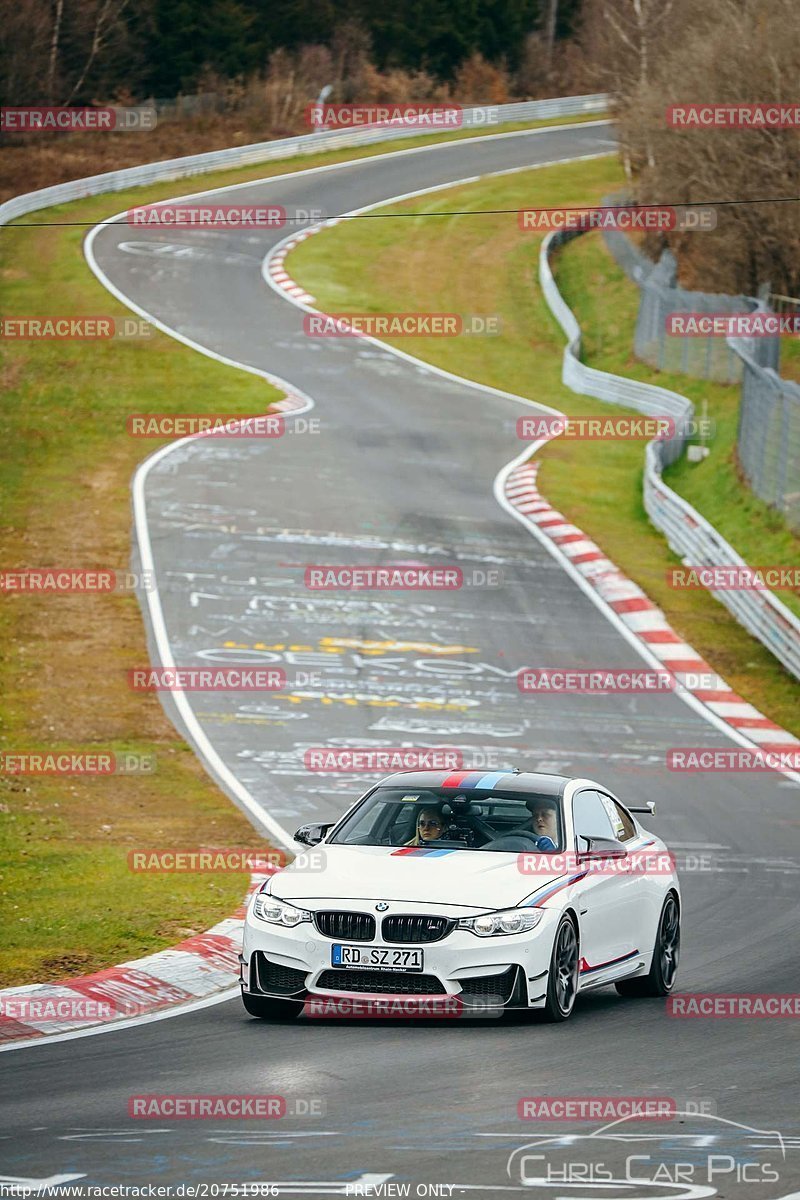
(508, 970)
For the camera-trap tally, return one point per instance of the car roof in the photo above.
(500, 781)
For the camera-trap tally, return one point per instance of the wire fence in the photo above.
(768, 439)
(659, 298)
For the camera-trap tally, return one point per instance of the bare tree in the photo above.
(621, 40)
(25, 33)
(551, 21)
(53, 56)
(728, 52)
(106, 17)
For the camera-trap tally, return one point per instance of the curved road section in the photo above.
(400, 470)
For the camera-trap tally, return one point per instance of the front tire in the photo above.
(562, 978)
(268, 1009)
(660, 979)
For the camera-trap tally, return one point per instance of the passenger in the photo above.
(430, 827)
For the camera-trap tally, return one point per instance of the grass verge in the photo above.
(485, 265)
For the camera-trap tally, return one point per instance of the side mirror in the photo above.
(312, 835)
(600, 847)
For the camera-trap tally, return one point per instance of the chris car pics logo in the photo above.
(638, 1152)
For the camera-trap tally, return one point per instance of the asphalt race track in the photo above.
(402, 470)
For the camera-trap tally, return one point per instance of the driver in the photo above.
(430, 827)
(545, 825)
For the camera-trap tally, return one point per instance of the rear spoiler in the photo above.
(648, 810)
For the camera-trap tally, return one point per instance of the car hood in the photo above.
(465, 878)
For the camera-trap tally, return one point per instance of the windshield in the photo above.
(433, 818)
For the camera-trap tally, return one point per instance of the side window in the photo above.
(622, 824)
(403, 824)
(590, 816)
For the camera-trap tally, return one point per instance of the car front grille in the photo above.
(272, 977)
(350, 926)
(396, 983)
(410, 927)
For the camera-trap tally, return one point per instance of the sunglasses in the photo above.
(429, 824)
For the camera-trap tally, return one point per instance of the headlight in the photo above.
(278, 912)
(509, 920)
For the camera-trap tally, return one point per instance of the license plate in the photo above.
(378, 957)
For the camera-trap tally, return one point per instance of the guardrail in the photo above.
(688, 533)
(307, 143)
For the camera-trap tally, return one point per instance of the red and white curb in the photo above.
(275, 266)
(642, 618)
(196, 969)
(278, 273)
(289, 404)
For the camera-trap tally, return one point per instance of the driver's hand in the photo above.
(545, 843)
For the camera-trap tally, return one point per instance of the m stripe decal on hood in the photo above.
(550, 889)
(427, 851)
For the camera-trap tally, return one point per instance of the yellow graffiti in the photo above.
(368, 702)
(371, 647)
(334, 645)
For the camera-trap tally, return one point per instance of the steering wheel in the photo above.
(520, 840)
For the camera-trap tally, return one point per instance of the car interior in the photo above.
(479, 821)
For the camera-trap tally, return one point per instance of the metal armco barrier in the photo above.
(307, 143)
(688, 533)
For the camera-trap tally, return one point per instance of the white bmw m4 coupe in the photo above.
(506, 890)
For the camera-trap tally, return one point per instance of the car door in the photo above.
(609, 922)
(650, 883)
